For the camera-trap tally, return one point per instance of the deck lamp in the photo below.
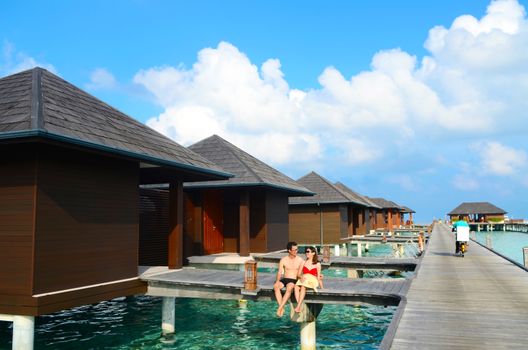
(250, 275)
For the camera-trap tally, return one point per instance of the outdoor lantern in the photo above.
(326, 254)
(250, 275)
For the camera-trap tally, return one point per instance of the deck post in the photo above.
(349, 249)
(168, 316)
(359, 249)
(336, 250)
(525, 256)
(23, 332)
(308, 335)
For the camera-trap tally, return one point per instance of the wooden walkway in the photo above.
(381, 239)
(476, 302)
(222, 284)
(353, 262)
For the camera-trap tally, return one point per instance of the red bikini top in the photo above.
(312, 271)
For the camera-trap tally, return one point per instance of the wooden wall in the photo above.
(304, 223)
(17, 190)
(231, 221)
(153, 227)
(257, 221)
(68, 219)
(86, 221)
(277, 220)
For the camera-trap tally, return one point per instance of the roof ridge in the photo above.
(36, 116)
(351, 192)
(232, 148)
(328, 183)
(334, 187)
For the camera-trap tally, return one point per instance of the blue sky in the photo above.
(420, 102)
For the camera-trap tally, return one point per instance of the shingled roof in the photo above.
(384, 203)
(356, 197)
(405, 209)
(248, 170)
(38, 104)
(467, 208)
(325, 191)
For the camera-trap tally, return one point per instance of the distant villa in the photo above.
(477, 212)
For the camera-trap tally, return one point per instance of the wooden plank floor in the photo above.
(476, 302)
(372, 263)
(229, 285)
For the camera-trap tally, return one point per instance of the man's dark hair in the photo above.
(290, 245)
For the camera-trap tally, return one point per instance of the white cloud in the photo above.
(464, 88)
(465, 182)
(14, 61)
(405, 181)
(101, 79)
(497, 159)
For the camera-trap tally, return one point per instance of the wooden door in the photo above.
(213, 240)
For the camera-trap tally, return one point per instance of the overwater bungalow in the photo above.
(70, 173)
(477, 212)
(389, 216)
(328, 216)
(364, 215)
(406, 210)
(245, 214)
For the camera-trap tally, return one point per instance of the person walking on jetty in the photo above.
(461, 229)
(309, 276)
(287, 276)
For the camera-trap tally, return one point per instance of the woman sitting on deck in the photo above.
(309, 276)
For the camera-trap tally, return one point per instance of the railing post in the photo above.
(525, 256)
(488, 242)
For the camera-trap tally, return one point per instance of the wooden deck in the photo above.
(221, 284)
(354, 262)
(380, 239)
(476, 302)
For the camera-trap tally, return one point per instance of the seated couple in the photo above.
(296, 275)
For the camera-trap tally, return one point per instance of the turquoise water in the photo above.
(507, 243)
(134, 323)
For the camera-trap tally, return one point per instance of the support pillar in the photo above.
(349, 249)
(352, 273)
(244, 224)
(308, 335)
(367, 221)
(175, 239)
(168, 316)
(336, 250)
(359, 249)
(307, 318)
(23, 332)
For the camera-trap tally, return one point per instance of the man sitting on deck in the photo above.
(287, 276)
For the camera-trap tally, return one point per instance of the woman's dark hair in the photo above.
(315, 259)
